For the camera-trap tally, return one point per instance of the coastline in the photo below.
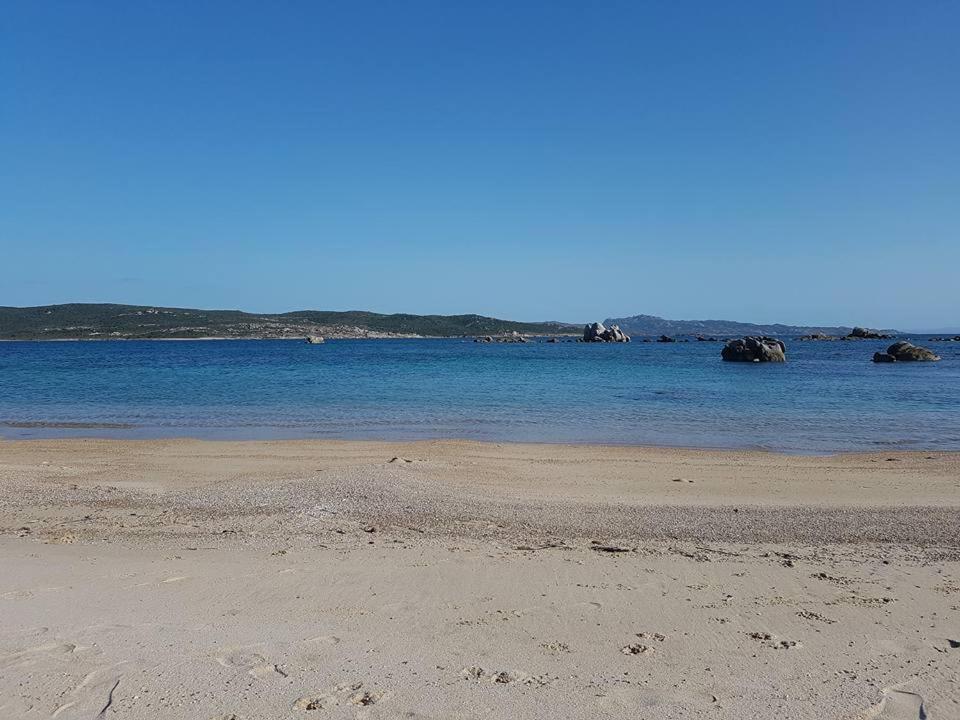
(365, 579)
(126, 432)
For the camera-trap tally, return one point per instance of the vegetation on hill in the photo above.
(106, 321)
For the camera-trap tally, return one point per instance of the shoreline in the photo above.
(72, 431)
(523, 477)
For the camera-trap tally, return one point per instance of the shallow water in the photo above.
(828, 397)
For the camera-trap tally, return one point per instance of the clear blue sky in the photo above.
(764, 161)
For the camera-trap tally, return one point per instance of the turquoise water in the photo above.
(828, 397)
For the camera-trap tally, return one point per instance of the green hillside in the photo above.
(104, 321)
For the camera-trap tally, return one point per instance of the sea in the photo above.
(829, 397)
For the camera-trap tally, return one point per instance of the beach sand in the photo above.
(313, 579)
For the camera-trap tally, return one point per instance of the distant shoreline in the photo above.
(300, 339)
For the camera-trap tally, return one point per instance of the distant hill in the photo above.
(104, 321)
(652, 325)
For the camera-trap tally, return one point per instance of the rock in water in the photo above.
(314, 340)
(596, 332)
(755, 349)
(665, 339)
(865, 334)
(904, 351)
(617, 335)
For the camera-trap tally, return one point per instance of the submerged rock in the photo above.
(904, 351)
(755, 349)
(596, 332)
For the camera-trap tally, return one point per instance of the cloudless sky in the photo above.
(759, 161)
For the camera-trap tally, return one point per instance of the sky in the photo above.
(755, 161)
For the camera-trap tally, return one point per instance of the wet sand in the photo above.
(189, 579)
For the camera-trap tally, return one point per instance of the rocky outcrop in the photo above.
(314, 340)
(596, 332)
(513, 337)
(865, 334)
(755, 349)
(820, 336)
(904, 351)
(665, 339)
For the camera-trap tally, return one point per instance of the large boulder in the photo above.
(904, 351)
(596, 332)
(314, 340)
(618, 335)
(755, 349)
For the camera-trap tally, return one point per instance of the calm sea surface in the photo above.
(828, 397)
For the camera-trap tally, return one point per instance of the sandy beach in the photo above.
(191, 579)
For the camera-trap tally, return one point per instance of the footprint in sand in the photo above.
(267, 671)
(247, 658)
(323, 640)
(315, 651)
(341, 695)
(241, 658)
(315, 702)
(773, 642)
(92, 697)
(503, 677)
(38, 654)
(589, 605)
(898, 705)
